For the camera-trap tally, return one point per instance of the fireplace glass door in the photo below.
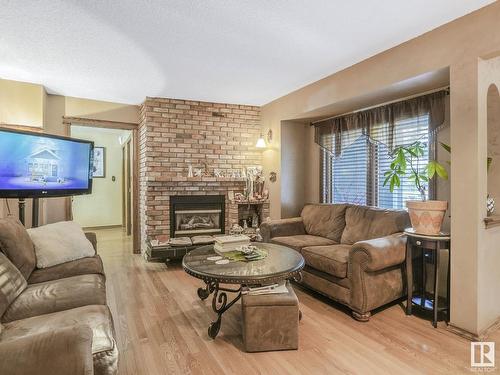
(192, 215)
(189, 222)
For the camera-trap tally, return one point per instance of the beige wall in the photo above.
(28, 104)
(300, 171)
(489, 239)
(456, 46)
(494, 141)
(104, 206)
(21, 103)
(99, 110)
(293, 167)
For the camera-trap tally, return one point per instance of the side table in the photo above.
(430, 247)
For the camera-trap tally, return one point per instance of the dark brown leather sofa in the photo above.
(354, 254)
(53, 320)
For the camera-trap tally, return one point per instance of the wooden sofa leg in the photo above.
(362, 317)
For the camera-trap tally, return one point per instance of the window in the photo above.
(357, 175)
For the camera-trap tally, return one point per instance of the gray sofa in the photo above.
(354, 254)
(53, 320)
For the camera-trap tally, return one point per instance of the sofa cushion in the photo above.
(91, 265)
(342, 281)
(16, 243)
(302, 240)
(97, 317)
(366, 223)
(325, 220)
(57, 295)
(12, 283)
(58, 352)
(329, 259)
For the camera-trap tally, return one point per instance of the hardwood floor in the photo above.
(161, 328)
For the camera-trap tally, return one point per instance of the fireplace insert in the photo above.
(192, 215)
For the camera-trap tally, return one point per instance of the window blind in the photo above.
(357, 175)
(406, 132)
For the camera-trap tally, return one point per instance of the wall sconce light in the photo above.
(269, 136)
(261, 143)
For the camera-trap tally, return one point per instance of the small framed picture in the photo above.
(99, 168)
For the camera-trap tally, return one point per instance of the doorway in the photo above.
(113, 203)
(127, 186)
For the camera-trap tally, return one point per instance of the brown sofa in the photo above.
(53, 320)
(354, 254)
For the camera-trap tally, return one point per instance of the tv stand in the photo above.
(35, 210)
(22, 204)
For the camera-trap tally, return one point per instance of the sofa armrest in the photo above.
(379, 253)
(92, 237)
(282, 227)
(375, 272)
(58, 352)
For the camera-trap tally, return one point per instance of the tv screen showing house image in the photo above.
(37, 165)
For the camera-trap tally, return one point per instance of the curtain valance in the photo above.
(379, 123)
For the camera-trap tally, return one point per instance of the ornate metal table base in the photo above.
(203, 293)
(281, 263)
(219, 303)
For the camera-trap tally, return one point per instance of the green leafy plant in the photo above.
(405, 162)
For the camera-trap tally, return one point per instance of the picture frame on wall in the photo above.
(99, 168)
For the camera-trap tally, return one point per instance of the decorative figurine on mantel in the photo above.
(254, 191)
(239, 197)
(217, 172)
(206, 171)
(255, 221)
(236, 229)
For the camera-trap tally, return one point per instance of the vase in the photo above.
(490, 205)
(427, 216)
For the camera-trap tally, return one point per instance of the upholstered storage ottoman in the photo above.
(270, 321)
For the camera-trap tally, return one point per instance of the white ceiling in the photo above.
(246, 51)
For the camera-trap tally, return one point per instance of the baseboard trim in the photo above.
(482, 336)
(103, 227)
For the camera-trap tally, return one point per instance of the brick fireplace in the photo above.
(174, 134)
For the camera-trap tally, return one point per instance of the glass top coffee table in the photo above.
(281, 263)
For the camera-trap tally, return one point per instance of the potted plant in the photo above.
(426, 215)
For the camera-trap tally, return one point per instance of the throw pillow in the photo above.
(16, 244)
(12, 283)
(60, 243)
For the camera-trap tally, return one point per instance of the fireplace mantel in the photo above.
(194, 179)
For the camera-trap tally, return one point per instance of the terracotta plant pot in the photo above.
(427, 216)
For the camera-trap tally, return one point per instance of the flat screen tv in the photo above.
(34, 165)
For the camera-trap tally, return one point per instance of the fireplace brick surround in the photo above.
(174, 134)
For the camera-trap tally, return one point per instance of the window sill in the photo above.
(492, 221)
